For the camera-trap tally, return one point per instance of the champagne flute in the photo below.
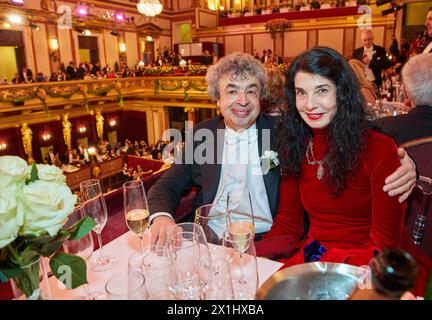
(240, 217)
(94, 206)
(136, 208)
(243, 266)
(240, 224)
(82, 247)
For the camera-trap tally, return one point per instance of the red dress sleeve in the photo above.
(388, 215)
(283, 239)
(289, 219)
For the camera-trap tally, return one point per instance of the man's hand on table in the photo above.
(161, 229)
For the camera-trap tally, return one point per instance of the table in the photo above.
(122, 247)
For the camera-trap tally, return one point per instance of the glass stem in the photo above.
(99, 236)
(141, 242)
(242, 275)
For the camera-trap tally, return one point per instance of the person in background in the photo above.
(274, 99)
(368, 88)
(374, 57)
(417, 81)
(428, 25)
(40, 77)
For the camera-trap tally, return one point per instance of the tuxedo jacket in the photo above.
(378, 63)
(416, 124)
(178, 180)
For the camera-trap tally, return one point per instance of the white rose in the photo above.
(13, 170)
(51, 173)
(46, 207)
(11, 217)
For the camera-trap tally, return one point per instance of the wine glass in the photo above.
(243, 265)
(192, 265)
(213, 221)
(157, 264)
(94, 206)
(126, 287)
(82, 247)
(240, 216)
(136, 208)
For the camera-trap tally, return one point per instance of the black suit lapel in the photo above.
(211, 171)
(271, 179)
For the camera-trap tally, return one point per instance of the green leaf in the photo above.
(28, 256)
(47, 245)
(33, 174)
(83, 227)
(69, 269)
(53, 246)
(9, 273)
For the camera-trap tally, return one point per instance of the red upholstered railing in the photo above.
(146, 164)
(293, 15)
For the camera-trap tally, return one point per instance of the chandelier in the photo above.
(149, 8)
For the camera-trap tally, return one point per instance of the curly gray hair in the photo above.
(242, 65)
(416, 75)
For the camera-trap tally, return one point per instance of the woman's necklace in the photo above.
(320, 163)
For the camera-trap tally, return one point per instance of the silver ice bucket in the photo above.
(312, 281)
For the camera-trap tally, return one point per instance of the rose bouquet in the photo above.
(34, 205)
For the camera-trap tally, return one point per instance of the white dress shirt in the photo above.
(241, 171)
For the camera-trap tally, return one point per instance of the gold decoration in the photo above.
(67, 136)
(27, 137)
(189, 109)
(99, 124)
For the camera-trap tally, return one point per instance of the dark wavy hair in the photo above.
(346, 130)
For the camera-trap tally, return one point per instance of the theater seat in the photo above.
(418, 219)
(421, 150)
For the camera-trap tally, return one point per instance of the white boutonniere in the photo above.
(269, 160)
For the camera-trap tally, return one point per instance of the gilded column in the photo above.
(27, 138)
(190, 114)
(67, 135)
(99, 124)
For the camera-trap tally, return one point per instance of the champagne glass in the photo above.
(213, 221)
(136, 208)
(192, 265)
(82, 247)
(94, 206)
(240, 217)
(243, 265)
(240, 226)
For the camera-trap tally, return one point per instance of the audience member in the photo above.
(417, 83)
(373, 56)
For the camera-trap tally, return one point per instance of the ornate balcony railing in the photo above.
(46, 97)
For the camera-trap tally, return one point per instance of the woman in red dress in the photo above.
(334, 166)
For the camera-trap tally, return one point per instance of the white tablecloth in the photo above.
(122, 247)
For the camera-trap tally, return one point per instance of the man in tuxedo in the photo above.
(428, 25)
(416, 75)
(232, 148)
(374, 57)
